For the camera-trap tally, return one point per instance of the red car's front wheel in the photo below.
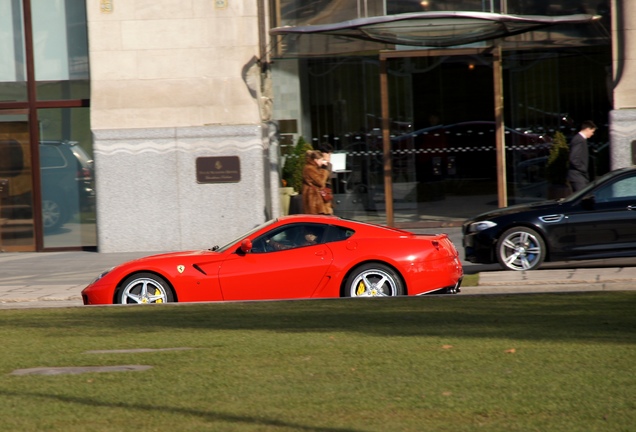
(144, 288)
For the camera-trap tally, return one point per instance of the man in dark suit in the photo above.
(578, 175)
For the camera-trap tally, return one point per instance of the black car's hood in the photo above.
(550, 206)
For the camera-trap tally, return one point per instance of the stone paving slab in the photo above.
(567, 276)
(18, 293)
(551, 288)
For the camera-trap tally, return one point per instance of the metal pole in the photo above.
(386, 142)
(500, 135)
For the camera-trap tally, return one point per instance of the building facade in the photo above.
(161, 125)
(444, 61)
(169, 112)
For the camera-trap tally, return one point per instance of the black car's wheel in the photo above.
(144, 288)
(373, 280)
(53, 214)
(520, 248)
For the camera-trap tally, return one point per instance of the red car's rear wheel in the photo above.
(374, 280)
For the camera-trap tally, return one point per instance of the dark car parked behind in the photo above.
(596, 222)
(66, 176)
(68, 183)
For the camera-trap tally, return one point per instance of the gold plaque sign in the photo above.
(222, 169)
(106, 6)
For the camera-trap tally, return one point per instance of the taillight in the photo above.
(84, 174)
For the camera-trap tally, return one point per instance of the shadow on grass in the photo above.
(602, 317)
(147, 408)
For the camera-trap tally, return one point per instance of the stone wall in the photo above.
(172, 81)
(623, 117)
(148, 196)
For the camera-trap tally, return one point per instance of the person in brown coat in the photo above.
(327, 149)
(314, 178)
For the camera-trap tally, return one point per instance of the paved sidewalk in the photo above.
(556, 280)
(53, 277)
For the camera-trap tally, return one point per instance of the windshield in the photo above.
(242, 236)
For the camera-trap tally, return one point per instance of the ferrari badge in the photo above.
(180, 268)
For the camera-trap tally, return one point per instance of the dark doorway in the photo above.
(457, 91)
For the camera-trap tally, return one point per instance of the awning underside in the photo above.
(436, 29)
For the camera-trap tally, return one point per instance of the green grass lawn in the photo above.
(549, 362)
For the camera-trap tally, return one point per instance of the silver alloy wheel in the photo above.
(374, 282)
(521, 249)
(51, 214)
(143, 290)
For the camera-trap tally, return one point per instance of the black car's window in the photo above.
(616, 191)
(51, 157)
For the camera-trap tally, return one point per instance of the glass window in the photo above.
(67, 178)
(51, 157)
(617, 191)
(17, 232)
(442, 128)
(336, 233)
(13, 75)
(302, 12)
(521, 7)
(60, 49)
(290, 237)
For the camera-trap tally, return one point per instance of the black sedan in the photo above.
(596, 222)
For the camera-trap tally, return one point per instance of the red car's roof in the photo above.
(336, 219)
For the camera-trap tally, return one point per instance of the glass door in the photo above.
(17, 230)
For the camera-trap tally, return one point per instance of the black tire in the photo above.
(144, 288)
(521, 248)
(373, 280)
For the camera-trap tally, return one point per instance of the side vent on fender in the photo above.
(196, 266)
(552, 218)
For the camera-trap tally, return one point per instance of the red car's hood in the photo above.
(181, 254)
(184, 257)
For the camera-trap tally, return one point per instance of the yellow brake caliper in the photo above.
(157, 292)
(361, 288)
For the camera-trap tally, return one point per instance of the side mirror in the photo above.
(246, 245)
(588, 202)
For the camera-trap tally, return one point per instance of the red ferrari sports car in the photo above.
(299, 256)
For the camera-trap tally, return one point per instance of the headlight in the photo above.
(480, 226)
(101, 275)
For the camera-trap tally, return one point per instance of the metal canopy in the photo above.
(436, 29)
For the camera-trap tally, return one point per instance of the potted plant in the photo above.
(293, 176)
(557, 168)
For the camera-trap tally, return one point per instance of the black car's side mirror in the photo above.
(588, 202)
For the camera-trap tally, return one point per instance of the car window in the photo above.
(336, 233)
(619, 190)
(51, 157)
(243, 236)
(290, 236)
